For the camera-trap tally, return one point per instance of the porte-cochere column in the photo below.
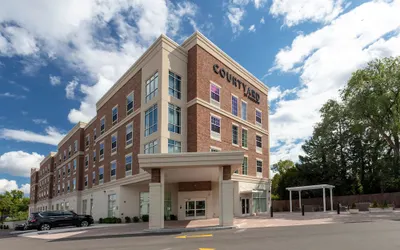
(156, 186)
(225, 196)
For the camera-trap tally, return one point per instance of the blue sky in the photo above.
(60, 57)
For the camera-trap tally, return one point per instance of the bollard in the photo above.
(272, 210)
(302, 210)
(338, 208)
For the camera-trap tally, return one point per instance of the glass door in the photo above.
(245, 206)
(195, 209)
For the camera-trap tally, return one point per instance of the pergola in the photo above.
(312, 187)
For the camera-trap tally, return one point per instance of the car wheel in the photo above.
(45, 227)
(84, 223)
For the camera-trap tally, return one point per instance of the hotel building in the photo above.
(183, 132)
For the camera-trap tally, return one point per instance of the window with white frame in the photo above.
(101, 175)
(259, 168)
(174, 118)
(64, 171)
(235, 134)
(74, 165)
(69, 169)
(215, 94)
(151, 87)
(94, 135)
(94, 156)
(129, 103)
(59, 174)
(244, 138)
(101, 151)
(87, 141)
(235, 104)
(244, 110)
(102, 125)
(174, 85)
(86, 161)
(259, 144)
(151, 120)
(115, 115)
(68, 189)
(65, 154)
(151, 147)
(113, 170)
(75, 146)
(113, 143)
(174, 146)
(86, 181)
(58, 189)
(93, 178)
(128, 165)
(244, 166)
(129, 134)
(258, 117)
(215, 127)
(69, 151)
(63, 187)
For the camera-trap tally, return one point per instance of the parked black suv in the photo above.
(49, 219)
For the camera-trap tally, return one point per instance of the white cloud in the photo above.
(235, 16)
(17, 41)
(252, 28)
(324, 60)
(52, 136)
(10, 95)
(19, 163)
(295, 12)
(259, 3)
(9, 185)
(70, 89)
(175, 17)
(54, 80)
(262, 21)
(275, 93)
(39, 121)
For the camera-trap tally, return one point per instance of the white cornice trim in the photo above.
(119, 124)
(47, 157)
(199, 39)
(227, 114)
(250, 179)
(91, 121)
(59, 165)
(78, 126)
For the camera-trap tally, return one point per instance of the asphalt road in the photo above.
(364, 236)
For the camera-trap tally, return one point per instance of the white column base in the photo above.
(156, 216)
(226, 203)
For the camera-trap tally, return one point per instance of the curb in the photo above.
(193, 229)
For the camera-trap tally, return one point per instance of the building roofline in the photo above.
(51, 154)
(78, 126)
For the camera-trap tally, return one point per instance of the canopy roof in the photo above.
(301, 188)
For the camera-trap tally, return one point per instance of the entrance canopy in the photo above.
(311, 187)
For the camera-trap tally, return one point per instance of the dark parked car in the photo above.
(49, 219)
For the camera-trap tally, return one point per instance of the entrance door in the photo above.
(195, 209)
(245, 206)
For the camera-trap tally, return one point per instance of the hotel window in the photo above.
(65, 155)
(101, 151)
(235, 135)
(151, 147)
(68, 189)
(152, 87)
(59, 157)
(215, 94)
(63, 187)
(258, 144)
(59, 174)
(58, 189)
(94, 134)
(234, 105)
(128, 165)
(244, 166)
(113, 170)
(115, 115)
(174, 118)
(244, 138)
(93, 178)
(74, 165)
(101, 175)
(114, 143)
(66, 206)
(86, 161)
(112, 205)
(87, 141)
(102, 125)
(215, 128)
(244, 110)
(86, 181)
(151, 120)
(174, 85)
(258, 118)
(69, 169)
(129, 103)
(69, 151)
(73, 184)
(129, 134)
(174, 146)
(63, 171)
(75, 146)
(94, 156)
(259, 168)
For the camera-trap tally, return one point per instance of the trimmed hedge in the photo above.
(136, 219)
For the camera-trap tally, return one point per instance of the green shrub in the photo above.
(114, 220)
(107, 220)
(1, 226)
(136, 219)
(374, 204)
(173, 217)
(353, 206)
(385, 204)
(274, 197)
(101, 220)
(128, 219)
(6, 227)
(145, 218)
(119, 220)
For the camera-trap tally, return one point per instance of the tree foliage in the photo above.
(13, 204)
(356, 145)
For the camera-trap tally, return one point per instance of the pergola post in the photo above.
(300, 200)
(323, 196)
(290, 200)
(331, 199)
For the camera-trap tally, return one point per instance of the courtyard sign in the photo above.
(247, 90)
